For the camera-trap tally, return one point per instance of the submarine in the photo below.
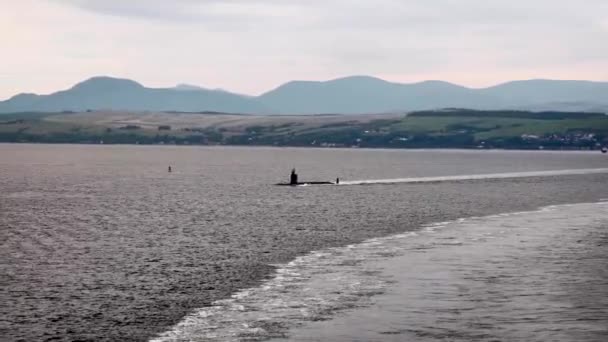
(293, 181)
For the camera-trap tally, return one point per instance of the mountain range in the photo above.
(349, 95)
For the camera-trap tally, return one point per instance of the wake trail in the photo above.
(478, 176)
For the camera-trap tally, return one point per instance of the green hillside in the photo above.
(454, 128)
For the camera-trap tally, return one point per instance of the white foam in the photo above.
(527, 276)
(478, 176)
(316, 285)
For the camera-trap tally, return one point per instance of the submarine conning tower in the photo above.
(293, 179)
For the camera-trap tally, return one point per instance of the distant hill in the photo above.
(349, 95)
(188, 87)
(120, 94)
(361, 94)
(536, 92)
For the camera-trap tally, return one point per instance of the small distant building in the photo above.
(530, 137)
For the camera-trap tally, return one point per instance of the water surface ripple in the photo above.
(528, 276)
(101, 243)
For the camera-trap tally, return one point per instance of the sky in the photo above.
(252, 46)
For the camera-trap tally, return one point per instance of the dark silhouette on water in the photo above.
(169, 168)
(337, 180)
(293, 179)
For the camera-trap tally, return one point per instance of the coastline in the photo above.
(317, 148)
(457, 128)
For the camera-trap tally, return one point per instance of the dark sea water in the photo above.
(102, 243)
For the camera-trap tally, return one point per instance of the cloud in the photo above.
(360, 13)
(210, 13)
(252, 45)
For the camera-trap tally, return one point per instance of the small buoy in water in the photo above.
(604, 149)
(337, 180)
(169, 169)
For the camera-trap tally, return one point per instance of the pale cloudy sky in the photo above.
(251, 46)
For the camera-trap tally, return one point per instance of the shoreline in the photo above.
(316, 148)
(458, 128)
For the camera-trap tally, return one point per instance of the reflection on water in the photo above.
(531, 276)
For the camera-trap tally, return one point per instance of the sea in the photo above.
(103, 243)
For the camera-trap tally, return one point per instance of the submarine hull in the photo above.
(305, 183)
